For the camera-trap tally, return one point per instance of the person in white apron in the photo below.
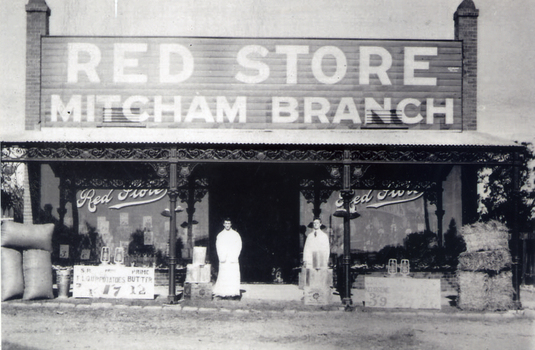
(316, 251)
(228, 246)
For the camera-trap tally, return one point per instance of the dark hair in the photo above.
(227, 219)
(316, 218)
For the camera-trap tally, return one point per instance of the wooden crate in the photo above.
(198, 273)
(318, 296)
(318, 278)
(195, 291)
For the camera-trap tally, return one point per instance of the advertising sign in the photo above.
(114, 282)
(402, 292)
(133, 219)
(386, 218)
(251, 83)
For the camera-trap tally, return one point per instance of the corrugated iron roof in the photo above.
(268, 137)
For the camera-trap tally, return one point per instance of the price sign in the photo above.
(119, 282)
(402, 292)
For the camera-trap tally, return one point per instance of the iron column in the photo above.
(173, 194)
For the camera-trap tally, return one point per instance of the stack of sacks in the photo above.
(26, 261)
(484, 269)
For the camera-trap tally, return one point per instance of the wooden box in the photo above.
(198, 291)
(198, 273)
(321, 278)
(318, 296)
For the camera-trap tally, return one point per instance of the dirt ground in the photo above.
(40, 327)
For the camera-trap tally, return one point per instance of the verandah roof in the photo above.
(266, 137)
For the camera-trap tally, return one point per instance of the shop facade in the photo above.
(377, 137)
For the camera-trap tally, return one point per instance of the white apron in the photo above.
(228, 245)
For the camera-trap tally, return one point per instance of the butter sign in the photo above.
(402, 292)
(113, 282)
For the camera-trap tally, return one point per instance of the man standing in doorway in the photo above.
(317, 275)
(228, 246)
(316, 251)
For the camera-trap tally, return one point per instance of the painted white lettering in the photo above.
(73, 108)
(355, 201)
(127, 108)
(287, 106)
(406, 119)
(346, 103)
(108, 102)
(85, 196)
(175, 107)
(165, 63)
(382, 195)
(410, 196)
(446, 110)
(390, 193)
(238, 109)
(410, 65)
(154, 196)
(320, 113)
(88, 196)
(341, 64)
(372, 107)
(90, 110)
(124, 194)
(397, 193)
(366, 69)
(74, 66)
(121, 62)
(246, 62)
(138, 193)
(291, 52)
(199, 110)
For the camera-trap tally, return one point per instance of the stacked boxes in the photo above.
(198, 276)
(317, 286)
(194, 290)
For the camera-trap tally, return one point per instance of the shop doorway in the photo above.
(263, 203)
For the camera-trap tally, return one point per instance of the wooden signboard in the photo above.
(115, 282)
(402, 292)
(251, 83)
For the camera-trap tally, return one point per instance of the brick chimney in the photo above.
(37, 14)
(466, 30)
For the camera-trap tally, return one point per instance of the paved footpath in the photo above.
(238, 307)
(267, 298)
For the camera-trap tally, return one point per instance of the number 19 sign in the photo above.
(114, 282)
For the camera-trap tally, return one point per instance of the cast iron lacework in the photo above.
(199, 189)
(107, 183)
(54, 152)
(198, 194)
(409, 185)
(324, 195)
(449, 156)
(259, 155)
(161, 169)
(83, 153)
(331, 183)
(13, 153)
